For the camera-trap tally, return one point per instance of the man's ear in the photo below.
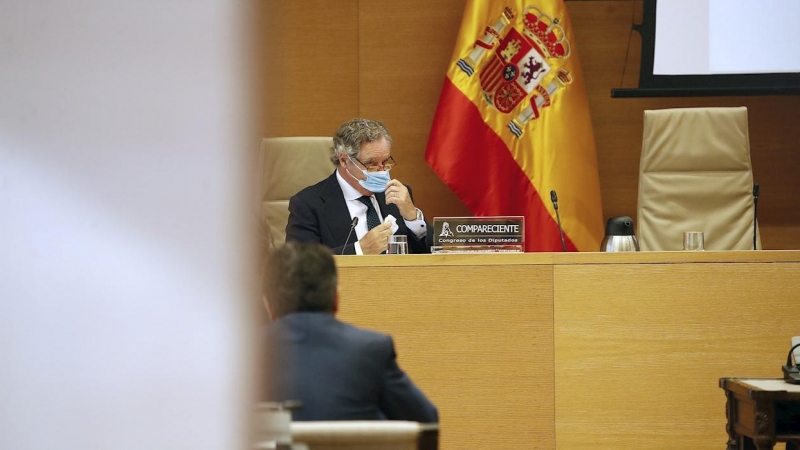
(269, 309)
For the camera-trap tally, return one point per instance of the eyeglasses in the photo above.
(386, 165)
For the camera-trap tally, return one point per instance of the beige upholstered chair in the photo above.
(695, 175)
(287, 165)
(366, 435)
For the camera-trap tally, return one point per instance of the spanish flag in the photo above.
(513, 123)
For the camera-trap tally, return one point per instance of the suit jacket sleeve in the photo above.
(400, 398)
(304, 226)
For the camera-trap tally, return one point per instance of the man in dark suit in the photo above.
(337, 371)
(361, 188)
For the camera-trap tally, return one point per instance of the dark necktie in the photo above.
(372, 215)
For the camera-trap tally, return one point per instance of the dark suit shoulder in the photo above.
(349, 336)
(316, 190)
(319, 324)
(360, 334)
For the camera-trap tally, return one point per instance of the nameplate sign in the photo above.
(479, 234)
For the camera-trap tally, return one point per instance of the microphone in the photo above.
(791, 373)
(554, 199)
(352, 227)
(755, 213)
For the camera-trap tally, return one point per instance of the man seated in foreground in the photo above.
(337, 371)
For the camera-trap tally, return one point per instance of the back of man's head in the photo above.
(300, 277)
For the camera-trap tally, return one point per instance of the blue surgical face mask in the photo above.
(376, 181)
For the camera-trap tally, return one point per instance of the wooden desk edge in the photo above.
(547, 258)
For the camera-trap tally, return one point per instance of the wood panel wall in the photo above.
(326, 62)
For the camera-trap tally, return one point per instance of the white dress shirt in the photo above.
(358, 209)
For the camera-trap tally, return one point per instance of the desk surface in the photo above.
(769, 384)
(572, 350)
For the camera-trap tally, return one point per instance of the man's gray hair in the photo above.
(353, 134)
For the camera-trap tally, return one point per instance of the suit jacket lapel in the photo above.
(336, 215)
(381, 198)
(390, 209)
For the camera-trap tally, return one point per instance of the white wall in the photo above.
(704, 37)
(122, 232)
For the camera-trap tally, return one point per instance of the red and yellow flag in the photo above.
(513, 123)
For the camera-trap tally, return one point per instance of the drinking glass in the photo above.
(398, 245)
(693, 241)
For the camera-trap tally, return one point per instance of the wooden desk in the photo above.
(761, 411)
(572, 351)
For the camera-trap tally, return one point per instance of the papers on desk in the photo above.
(770, 384)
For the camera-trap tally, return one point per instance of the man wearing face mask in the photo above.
(360, 188)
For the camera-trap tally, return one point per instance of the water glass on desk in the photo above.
(398, 245)
(693, 241)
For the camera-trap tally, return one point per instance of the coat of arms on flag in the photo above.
(519, 64)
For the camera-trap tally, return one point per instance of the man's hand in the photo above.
(376, 240)
(397, 193)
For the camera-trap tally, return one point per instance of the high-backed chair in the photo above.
(287, 165)
(366, 435)
(695, 175)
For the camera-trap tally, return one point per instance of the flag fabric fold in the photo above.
(513, 123)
